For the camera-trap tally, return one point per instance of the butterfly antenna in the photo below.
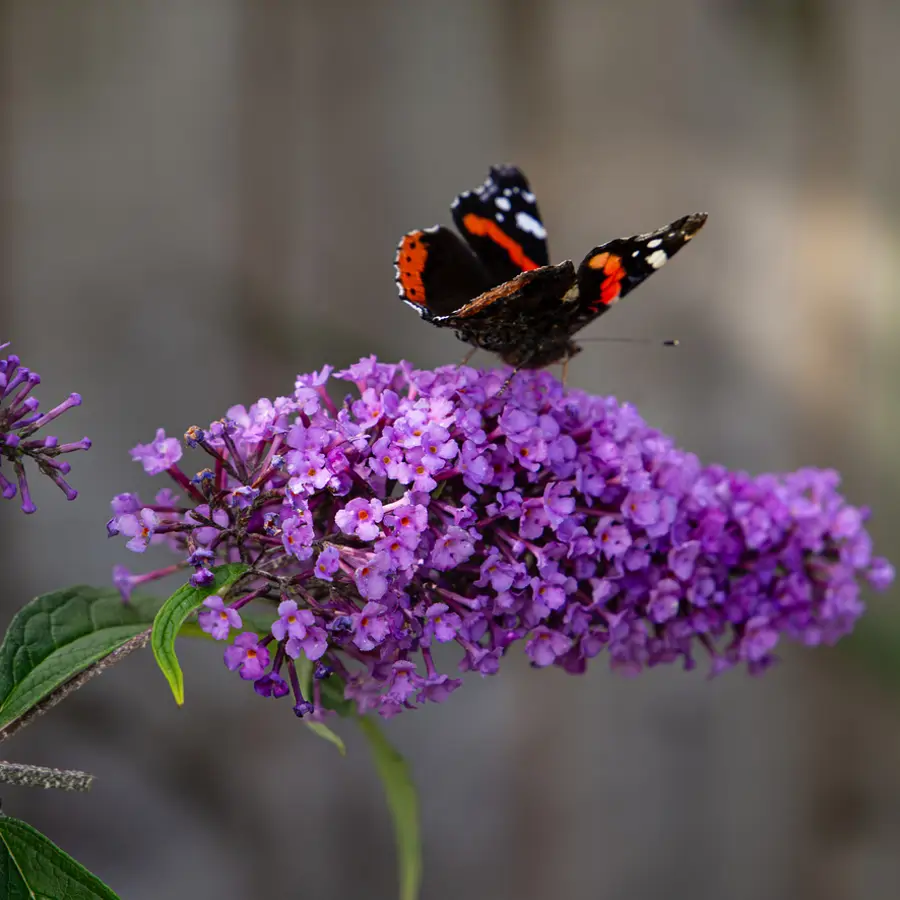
(669, 342)
(508, 381)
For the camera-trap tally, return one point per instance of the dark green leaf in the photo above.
(171, 617)
(32, 867)
(56, 636)
(404, 805)
(331, 692)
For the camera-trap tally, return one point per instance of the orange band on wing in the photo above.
(411, 257)
(612, 267)
(482, 227)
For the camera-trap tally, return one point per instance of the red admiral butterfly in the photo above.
(502, 294)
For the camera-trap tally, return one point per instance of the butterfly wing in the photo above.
(436, 273)
(520, 319)
(612, 270)
(501, 222)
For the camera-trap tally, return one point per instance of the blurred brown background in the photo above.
(199, 199)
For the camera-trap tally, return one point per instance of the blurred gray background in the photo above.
(200, 199)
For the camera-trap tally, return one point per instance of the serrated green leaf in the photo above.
(404, 805)
(32, 867)
(56, 636)
(171, 617)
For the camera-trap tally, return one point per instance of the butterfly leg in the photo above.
(565, 370)
(468, 356)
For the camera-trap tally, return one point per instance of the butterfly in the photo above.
(495, 286)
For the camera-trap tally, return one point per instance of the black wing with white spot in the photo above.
(502, 224)
(615, 268)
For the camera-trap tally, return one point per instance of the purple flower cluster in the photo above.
(19, 420)
(434, 509)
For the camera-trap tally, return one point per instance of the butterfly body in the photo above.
(501, 294)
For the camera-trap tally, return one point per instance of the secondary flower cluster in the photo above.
(433, 508)
(19, 420)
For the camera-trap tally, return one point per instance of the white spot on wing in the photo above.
(528, 197)
(530, 225)
(654, 243)
(657, 258)
(499, 217)
(503, 203)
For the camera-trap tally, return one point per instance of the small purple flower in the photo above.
(217, 619)
(310, 471)
(880, 574)
(292, 622)
(664, 599)
(408, 521)
(558, 502)
(438, 687)
(271, 685)
(243, 497)
(371, 577)
(360, 517)
(248, 655)
(328, 563)
(203, 576)
(139, 528)
(437, 448)
(642, 508)
(546, 646)
(440, 623)
(297, 537)
(388, 461)
(370, 626)
(404, 681)
(160, 454)
(300, 631)
(759, 640)
(313, 644)
(419, 471)
(452, 548)
(683, 558)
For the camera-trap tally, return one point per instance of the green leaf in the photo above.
(32, 867)
(305, 675)
(56, 636)
(331, 693)
(324, 732)
(404, 805)
(171, 617)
